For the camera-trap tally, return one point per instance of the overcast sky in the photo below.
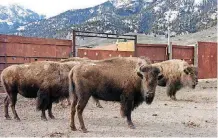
(53, 7)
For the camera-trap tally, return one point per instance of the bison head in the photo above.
(149, 76)
(189, 76)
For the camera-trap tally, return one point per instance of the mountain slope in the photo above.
(12, 17)
(124, 16)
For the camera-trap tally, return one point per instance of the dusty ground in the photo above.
(194, 114)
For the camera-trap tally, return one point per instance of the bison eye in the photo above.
(159, 77)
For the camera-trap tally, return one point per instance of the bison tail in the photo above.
(3, 83)
(42, 101)
(71, 83)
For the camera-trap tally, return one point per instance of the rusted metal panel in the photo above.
(2, 49)
(156, 52)
(15, 59)
(63, 51)
(18, 50)
(102, 54)
(33, 40)
(183, 52)
(207, 60)
(14, 49)
(2, 66)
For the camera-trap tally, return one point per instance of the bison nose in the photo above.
(193, 86)
(149, 97)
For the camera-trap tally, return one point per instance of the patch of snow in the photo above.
(91, 10)
(195, 9)
(108, 31)
(156, 8)
(10, 23)
(127, 21)
(123, 3)
(172, 15)
(198, 2)
(213, 16)
(21, 28)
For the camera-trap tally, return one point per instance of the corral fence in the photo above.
(19, 50)
(86, 34)
(203, 54)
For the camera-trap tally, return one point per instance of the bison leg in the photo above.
(73, 111)
(80, 107)
(128, 113)
(50, 114)
(126, 109)
(6, 104)
(43, 116)
(97, 103)
(13, 103)
(171, 91)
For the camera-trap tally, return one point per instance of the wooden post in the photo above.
(135, 46)
(196, 55)
(170, 50)
(74, 44)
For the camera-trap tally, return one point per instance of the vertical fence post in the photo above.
(170, 50)
(196, 55)
(74, 43)
(135, 47)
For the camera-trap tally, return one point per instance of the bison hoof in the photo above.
(173, 98)
(17, 118)
(52, 117)
(84, 130)
(44, 119)
(73, 128)
(7, 117)
(131, 126)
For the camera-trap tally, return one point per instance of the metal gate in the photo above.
(207, 60)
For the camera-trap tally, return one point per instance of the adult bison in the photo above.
(129, 81)
(84, 59)
(177, 74)
(46, 80)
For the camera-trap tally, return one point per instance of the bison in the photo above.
(129, 81)
(84, 59)
(177, 74)
(46, 80)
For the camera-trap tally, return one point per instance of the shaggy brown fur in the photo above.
(113, 79)
(177, 74)
(84, 59)
(46, 80)
(74, 59)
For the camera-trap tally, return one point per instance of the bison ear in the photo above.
(140, 74)
(186, 71)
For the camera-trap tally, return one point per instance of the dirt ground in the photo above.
(194, 114)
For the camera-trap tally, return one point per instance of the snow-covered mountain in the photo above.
(124, 16)
(13, 17)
